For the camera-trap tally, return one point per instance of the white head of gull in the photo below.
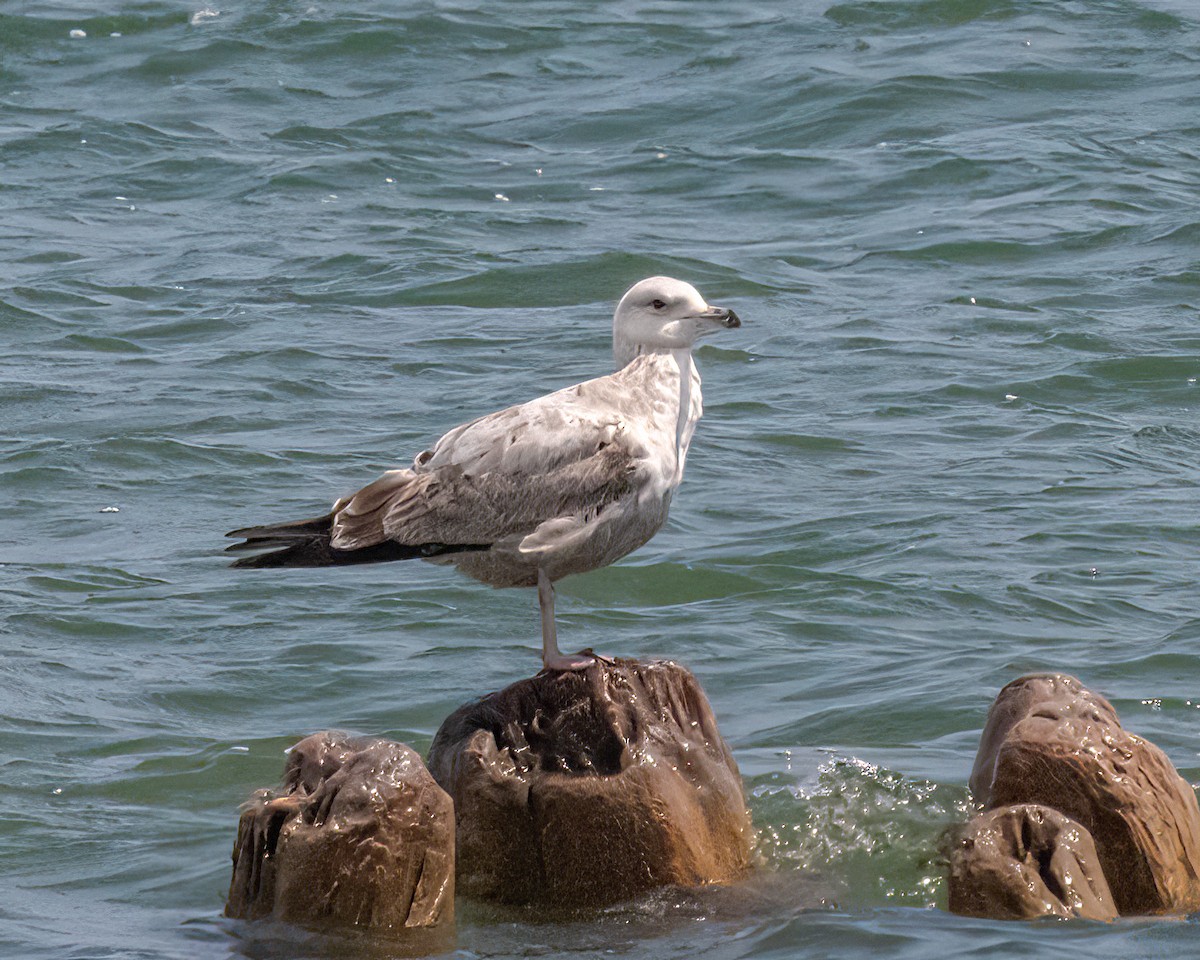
(563, 484)
(661, 314)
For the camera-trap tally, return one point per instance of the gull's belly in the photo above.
(621, 529)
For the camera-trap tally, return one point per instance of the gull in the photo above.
(564, 484)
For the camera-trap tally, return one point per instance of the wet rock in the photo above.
(1051, 741)
(1053, 697)
(588, 787)
(361, 834)
(1027, 861)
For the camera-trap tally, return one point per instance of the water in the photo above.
(255, 253)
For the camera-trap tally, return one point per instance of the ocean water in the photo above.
(256, 252)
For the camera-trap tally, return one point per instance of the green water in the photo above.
(254, 258)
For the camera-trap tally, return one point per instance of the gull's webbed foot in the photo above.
(562, 662)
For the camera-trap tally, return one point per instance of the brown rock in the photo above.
(1051, 741)
(361, 834)
(1055, 697)
(588, 787)
(1024, 862)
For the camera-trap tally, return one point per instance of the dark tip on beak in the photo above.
(727, 318)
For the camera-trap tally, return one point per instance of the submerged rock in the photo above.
(1027, 861)
(361, 834)
(584, 788)
(1051, 741)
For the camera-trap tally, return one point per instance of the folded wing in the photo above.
(547, 468)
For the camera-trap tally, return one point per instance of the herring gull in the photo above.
(563, 484)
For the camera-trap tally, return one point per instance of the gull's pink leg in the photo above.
(552, 658)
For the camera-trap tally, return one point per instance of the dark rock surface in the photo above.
(588, 787)
(1027, 861)
(361, 834)
(1051, 741)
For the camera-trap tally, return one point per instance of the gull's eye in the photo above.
(657, 304)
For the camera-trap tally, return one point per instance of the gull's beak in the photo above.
(722, 316)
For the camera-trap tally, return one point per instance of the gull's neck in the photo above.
(685, 422)
(624, 352)
(686, 390)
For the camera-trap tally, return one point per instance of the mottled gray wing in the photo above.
(538, 437)
(563, 457)
(451, 506)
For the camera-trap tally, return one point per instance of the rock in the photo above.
(1027, 861)
(1061, 695)
(360, 835)
(1051, 741)
(588, 787)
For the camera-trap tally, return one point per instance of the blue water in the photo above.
(257, 252)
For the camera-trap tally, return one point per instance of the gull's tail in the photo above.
(306, 543)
